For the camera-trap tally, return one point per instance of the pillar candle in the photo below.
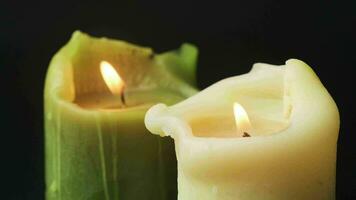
(280, 143)
(96, 145)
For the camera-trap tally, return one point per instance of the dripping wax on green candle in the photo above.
(95, 147)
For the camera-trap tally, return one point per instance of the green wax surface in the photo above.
(128, 99)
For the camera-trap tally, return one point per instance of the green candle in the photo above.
(97, 147)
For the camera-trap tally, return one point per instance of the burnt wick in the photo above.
(246, 135)
(122, 97)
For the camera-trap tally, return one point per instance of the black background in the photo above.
(230, 37)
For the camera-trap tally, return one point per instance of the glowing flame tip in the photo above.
(241, 118)
(111, 78)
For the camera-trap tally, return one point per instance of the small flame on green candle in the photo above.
(112, 78)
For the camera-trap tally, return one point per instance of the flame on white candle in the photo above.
(243, 124)
(111, 78)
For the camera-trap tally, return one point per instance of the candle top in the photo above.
(271, 101)
(91, 71)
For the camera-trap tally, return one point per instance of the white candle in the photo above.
(293, 126)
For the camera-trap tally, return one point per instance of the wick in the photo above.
(122, 96)
(246, 135)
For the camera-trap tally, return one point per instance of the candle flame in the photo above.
(111, 78)
(242, 121)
